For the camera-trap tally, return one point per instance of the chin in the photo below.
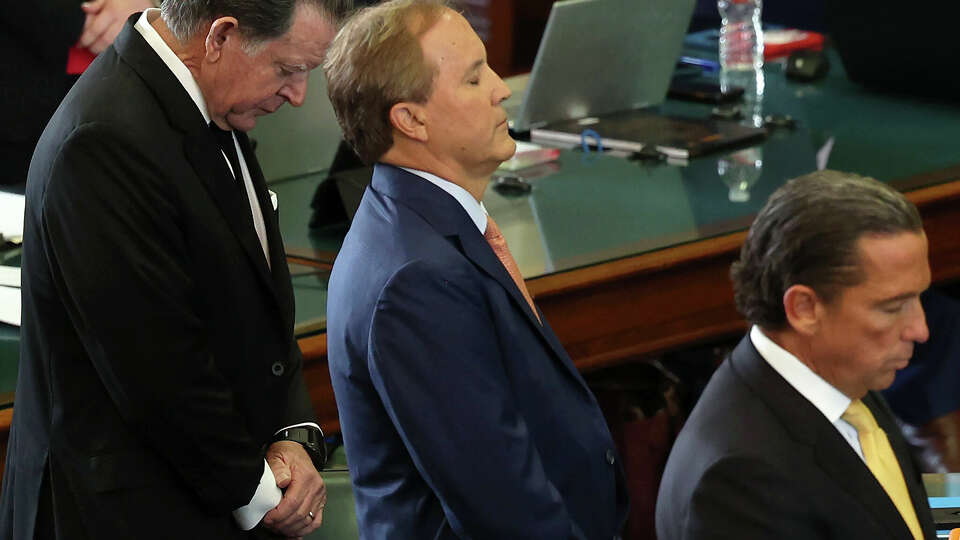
(242, 123)
(509, 150)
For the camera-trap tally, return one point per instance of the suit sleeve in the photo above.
(112, 233)
(435, 362)
(741, 498)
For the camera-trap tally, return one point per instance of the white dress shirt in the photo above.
(182, 73)
(473, 207)
(267, 495)
(827, 399)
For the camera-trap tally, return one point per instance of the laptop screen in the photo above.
(601, 56)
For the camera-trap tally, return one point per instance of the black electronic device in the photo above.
(511, 185)
(338, 196)
(807, 65)
(702, 91)
(891, 46)
(311, 438)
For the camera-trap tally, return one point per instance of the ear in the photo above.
(803, 308)
(221, 30)
(410, 120)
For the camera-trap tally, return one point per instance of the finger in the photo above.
(280, 517)
(92, 7)
(293, 511)
(98, 25)
(107, 37)
(281, 472)
(98, 47)
(312, 523)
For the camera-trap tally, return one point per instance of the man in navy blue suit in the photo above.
(461, 413)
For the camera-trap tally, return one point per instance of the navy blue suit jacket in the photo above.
(462, 416)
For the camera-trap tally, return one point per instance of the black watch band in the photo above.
(312, 440)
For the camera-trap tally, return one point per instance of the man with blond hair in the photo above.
(461, 413)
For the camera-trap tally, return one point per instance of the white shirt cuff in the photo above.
(313, 424)
(265, 499)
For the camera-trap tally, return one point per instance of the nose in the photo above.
(501, 92)
(295, 92)
(916, 329)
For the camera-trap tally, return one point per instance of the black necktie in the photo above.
(225, 140)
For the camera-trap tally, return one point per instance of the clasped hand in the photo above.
(304, 491)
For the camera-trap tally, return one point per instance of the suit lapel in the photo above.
(911, 475)
(205, 156)
(450, 220)
(809, 427)
(476, 248)
(199, 145)
(851, 474)
(278, 259)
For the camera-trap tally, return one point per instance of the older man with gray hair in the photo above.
(160, 392)
(790, 439)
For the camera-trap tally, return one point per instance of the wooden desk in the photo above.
(635, 307)
(651, 275)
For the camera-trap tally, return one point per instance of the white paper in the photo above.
(10, 305)
(10, 276)
(11, 214)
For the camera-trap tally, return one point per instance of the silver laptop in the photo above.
(601, 56)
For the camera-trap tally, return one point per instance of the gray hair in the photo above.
(807, 233)
(258, 20)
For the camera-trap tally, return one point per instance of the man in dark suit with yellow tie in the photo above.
(462, 415)
(160, 392)
(790, 438)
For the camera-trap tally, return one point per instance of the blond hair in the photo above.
(375, 62)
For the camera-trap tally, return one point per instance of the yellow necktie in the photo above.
(882, 462)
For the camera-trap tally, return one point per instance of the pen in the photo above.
(704, 64)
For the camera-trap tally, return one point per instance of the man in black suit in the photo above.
(160, 392)
(790, 438)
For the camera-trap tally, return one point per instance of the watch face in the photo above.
(312, 441)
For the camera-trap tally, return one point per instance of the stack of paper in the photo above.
(10, 295)
(11, 215)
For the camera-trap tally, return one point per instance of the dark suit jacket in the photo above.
(34, 40)
(757, 460)
(157, 348)
(461, 415)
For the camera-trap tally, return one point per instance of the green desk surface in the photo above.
(586, 209)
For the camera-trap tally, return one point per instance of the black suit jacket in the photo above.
(158, 355)
(34, 40)
(757, 460)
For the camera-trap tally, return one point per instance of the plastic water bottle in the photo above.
(741, 37)
(740, 171)
(741, 53)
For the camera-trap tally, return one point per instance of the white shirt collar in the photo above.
(826, 398)
(179, 69)
(473, 207)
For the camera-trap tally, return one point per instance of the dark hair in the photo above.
(375, 62)
(807, 233)
(258, 20)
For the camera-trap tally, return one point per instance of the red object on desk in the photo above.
(78, 60)
(778, 43)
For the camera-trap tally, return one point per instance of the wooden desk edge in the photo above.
(314, 348)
